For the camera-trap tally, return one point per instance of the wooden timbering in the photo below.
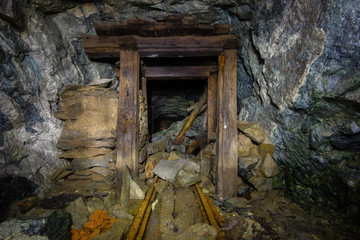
(128, 113)
(212, 107)
(97, 47)
(226, 145)
(178, 72)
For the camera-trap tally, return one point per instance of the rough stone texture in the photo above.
(168, 170)
(79, 213)
(253, 130)
(188, 175)
(90, 115)
(245, 146)
(269, 167)
(117, 231)
(298, 74)
(117, 211)
(299, 71)
(199, 231)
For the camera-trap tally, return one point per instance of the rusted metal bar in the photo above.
(146, 218)
(139, 217)
(220, 220)
(210, 214)
(202, 210)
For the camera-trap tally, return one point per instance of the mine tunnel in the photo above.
(199, 119)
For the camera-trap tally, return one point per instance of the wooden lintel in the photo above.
(172, 26)
(128, 113)
(178, 72)
(226, 144)
(212, 113)
(188, 46)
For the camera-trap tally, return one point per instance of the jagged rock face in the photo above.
(298, 74)
(304, 59)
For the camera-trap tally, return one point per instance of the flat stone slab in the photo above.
(168, 170)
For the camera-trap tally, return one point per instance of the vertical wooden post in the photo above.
(143, 87)
(128, 113)
(226, 145)
(212, 114)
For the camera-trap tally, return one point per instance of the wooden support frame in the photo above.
(212, 113)
(128, 114)
(165, 39)
(97, 47)
(178, 72)
(226, 145)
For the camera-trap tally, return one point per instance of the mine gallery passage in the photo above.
(171, 101)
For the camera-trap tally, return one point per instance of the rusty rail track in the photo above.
(208, 210)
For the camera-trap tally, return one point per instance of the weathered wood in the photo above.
(212, 114)
(188, 46)
(127, 139)
(191, 118)
(173, 25)
(144, 89)
(226, 144)
(178, 72)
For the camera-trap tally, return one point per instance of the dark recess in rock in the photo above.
(13, 189)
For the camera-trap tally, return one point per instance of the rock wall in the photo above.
(301, 60)
(298, 74)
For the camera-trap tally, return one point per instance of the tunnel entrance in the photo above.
(170, 101)
(170, 49)
(172, 88)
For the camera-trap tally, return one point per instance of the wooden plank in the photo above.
(173, 26)
(226, 144)
(212, 113)
(178, 72)
(128, 112)
(191, 46)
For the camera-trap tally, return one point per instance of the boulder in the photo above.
(137, 188)
(79, 213)
(246, 164)
(117, 211)
(261, 184)
(188, 175)
(266, 147)
(176, 155)
(156, 147)
(253, 130)
(269, 167)
(245, 145)
(168, 170)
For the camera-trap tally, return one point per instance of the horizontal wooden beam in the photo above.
(189, 46)
(170, 27)
(179, 72)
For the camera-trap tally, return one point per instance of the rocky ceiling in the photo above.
(298, 74)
